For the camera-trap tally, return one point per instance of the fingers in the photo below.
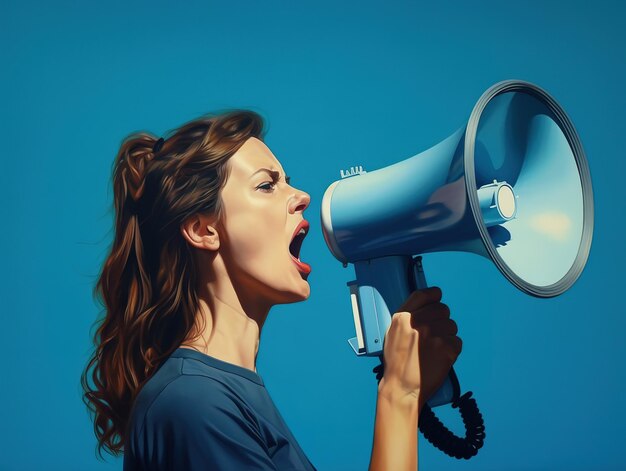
(457, 345)
(430, 313)
(442, 348)
(434, 322)
(420, 298)
(437, 328)
(424, 313)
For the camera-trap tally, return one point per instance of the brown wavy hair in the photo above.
(148, 283)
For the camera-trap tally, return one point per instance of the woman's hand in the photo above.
(420, 347)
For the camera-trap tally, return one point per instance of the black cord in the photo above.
(440, 436)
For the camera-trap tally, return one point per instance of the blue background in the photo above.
(340, 84)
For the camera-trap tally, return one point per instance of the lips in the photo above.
(296, 243)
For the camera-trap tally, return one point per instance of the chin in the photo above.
(305, 292)
(291, 296)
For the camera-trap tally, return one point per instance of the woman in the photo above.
(207, 238)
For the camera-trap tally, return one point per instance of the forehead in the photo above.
(250, 157)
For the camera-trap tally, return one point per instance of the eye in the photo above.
(267, 187)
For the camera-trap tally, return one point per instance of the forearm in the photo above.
(395, 430)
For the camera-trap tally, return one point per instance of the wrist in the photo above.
(393, 393)
(395, 429)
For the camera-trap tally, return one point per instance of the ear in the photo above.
(201, 232)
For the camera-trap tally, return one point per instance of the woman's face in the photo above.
(261, 215)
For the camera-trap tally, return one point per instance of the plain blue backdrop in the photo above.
(340, 84)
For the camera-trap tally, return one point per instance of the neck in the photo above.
(229, 331)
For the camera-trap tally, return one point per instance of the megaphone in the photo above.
(513, 185)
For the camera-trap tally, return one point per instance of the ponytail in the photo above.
(124, 286)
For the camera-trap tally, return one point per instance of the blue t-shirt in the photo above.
(200, 413)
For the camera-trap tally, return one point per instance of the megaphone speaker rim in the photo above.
(583, 169)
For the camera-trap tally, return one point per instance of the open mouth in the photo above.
(296, 244)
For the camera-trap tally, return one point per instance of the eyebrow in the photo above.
(275, 174)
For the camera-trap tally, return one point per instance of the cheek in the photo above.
(256, 241)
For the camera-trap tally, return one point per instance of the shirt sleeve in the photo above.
(196, 423)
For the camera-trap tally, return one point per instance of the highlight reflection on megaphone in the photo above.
(512, 185)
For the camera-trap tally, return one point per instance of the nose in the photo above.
(299, 202)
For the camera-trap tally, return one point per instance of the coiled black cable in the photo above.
(440, 436)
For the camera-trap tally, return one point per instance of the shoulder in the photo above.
(193, 399)
(199, 421)
(194, 409)
(176, 388)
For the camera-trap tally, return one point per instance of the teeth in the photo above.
(302, 231)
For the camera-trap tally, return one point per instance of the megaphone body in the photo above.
(512, 185)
